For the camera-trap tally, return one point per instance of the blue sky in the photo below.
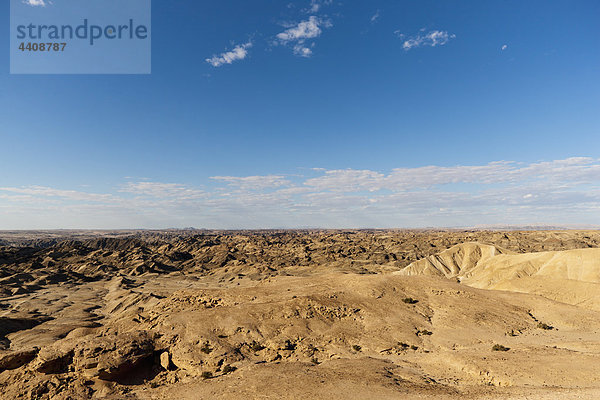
(264, 114)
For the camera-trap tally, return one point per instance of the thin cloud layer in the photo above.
(43, 192)
(431, 39)
(555, 192)
(35, 3)
(162, 190)
(254, 182)
(239, 52)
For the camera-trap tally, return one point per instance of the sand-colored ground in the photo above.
(300, 315)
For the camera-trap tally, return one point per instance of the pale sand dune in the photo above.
(570, 276)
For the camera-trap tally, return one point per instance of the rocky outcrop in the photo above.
(16, 359)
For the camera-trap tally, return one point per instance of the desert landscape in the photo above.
(309, 199)
(387, 314)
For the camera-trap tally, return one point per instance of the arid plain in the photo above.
(300, 314)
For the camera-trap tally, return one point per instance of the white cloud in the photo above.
(162, 190)
(308, 29)
(303, 51)
(316, 5)
(298, 35)
(569, 172)
(348, 180)
(253, 182)
(34, 3)
(431, 38)
(42, 191)
(239, 52)
(375, 17)
(563, 191)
